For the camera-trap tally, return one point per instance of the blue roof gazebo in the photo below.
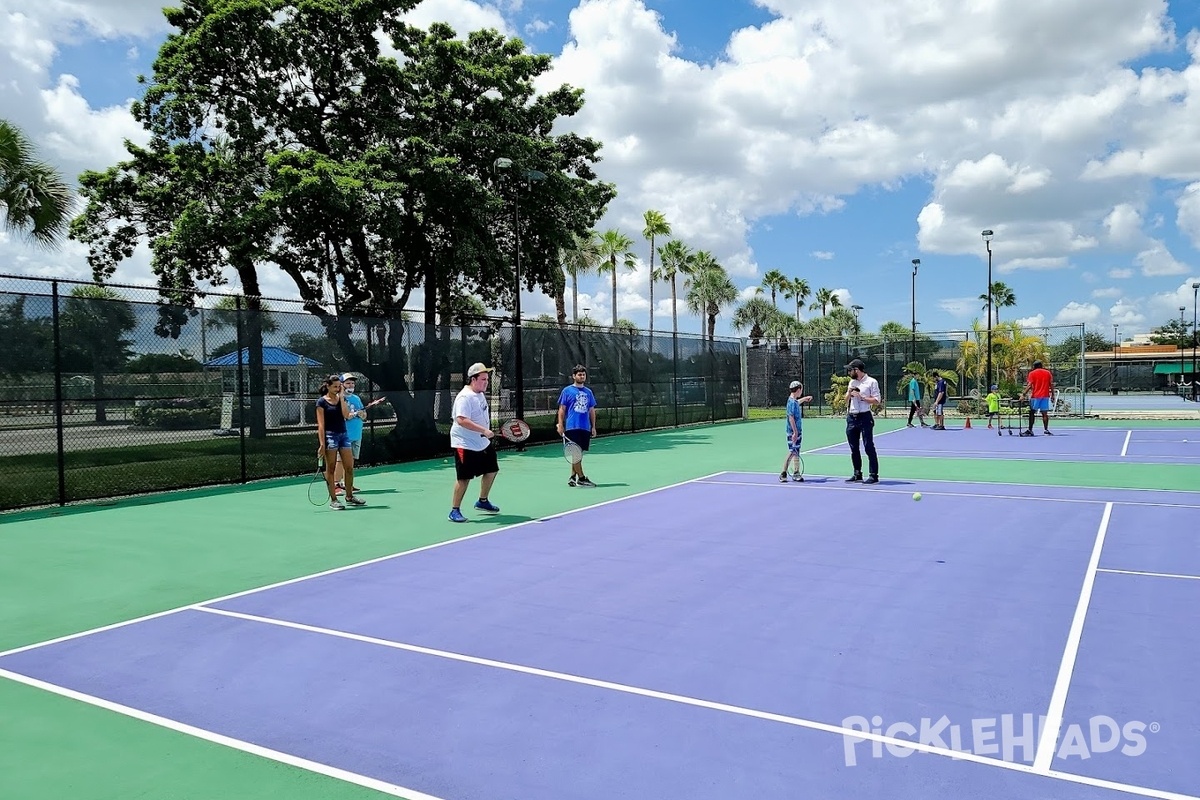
(272, 357)
(284, 372)
(285, 382)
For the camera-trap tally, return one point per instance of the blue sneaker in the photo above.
(486, 507)
(457, 516)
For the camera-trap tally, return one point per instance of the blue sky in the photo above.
(834, 141)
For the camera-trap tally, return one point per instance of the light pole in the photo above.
(1195, 290)
(987, 240)
(1114, 377)
(1182, 341)
(912, 356)
(530, 175)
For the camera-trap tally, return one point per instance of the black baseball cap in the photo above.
(856, 364)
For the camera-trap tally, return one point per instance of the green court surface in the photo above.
(73, 569)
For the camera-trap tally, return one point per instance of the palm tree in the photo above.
(656, 225)
(709, 290)
(782, 328)
(580, 258)
(797, 288)
(775, 281)
(615, 245)
(1002, 297)
(36, 200)
(755, 314)
(676, 259)
(838, 323)
(825, 300)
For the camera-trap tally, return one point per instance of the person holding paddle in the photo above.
(471, 437)
(577, 421)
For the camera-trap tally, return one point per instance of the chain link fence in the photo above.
(960, 356)
(112, 391)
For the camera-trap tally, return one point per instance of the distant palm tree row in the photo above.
(707, 287)
(708, 290)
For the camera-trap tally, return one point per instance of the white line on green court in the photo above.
(1058, 699)
(335, 570)
(227, 741)
(654, 694)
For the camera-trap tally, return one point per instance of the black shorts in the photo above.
(470, 464)
(580, 437)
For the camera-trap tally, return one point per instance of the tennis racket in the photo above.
(798, 469)
(572, 452)
(374, 403)
(515, 430)
(318, 476)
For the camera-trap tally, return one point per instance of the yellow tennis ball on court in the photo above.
(916, 496)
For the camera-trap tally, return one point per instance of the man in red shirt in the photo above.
(1039, 385)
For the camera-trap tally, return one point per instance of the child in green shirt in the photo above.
(993, 403)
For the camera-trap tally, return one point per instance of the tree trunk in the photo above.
(98, 394)
(614, 292)
(651, 294)
(252, 332)
(560, 308)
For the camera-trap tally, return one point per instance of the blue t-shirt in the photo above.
(334, 421)
(795, 411)
(914, 391)
(940, 389)
(354, 425)
(579, 400)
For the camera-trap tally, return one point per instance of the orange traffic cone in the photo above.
(968, 425)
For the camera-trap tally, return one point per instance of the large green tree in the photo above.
(1174, 332)
(94, 322)
(361, 176)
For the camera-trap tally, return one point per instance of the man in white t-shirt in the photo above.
(862, 397)
(471, 437)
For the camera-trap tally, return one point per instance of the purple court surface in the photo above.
(724, 637)
(1116, 445)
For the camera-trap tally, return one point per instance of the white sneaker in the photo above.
(336, 505)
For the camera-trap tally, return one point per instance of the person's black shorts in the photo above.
(470, 464)
(580, 437)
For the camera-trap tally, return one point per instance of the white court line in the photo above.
(335, 570)
(216, 738)
(1058, 700)
(1125, 447)
(1150, 574)
(709, 479)
(883, 490)
(843, 444)
(654, 694)
(1044, 454)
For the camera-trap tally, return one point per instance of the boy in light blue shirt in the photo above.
(795, 430)
(354, 427)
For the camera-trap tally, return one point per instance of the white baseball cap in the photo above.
(476, 369)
